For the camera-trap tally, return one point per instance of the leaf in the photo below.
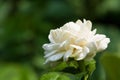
(50, 76)
(111, 64)
(73, 64)
(91, 66)
(63, 77)
(58, 66)
(54, 76)
(10, 71)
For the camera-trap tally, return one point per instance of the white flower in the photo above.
(74, 40)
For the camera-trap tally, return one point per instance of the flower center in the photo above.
(82, 43)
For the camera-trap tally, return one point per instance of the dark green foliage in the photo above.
(25, 25)
(54, 76)
(111, 64)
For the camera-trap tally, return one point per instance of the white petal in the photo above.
(67, 26)
(81, 42)
(92, 47)
(67, 54)
(50, 37)
(103, 44)
(63, 43)
(87, 23)
(57, 35)
(71, 26)
(101, 41)
(83, 54)
(76, 47)
(50, 47)
(79, 22)
(98, 37)
(86, 50)
(54, 57)
(84, 20)
(94, 31)
(50, 53)
(77, 50)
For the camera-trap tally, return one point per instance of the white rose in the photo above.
(75, 40)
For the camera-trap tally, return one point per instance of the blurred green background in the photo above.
(25, 25)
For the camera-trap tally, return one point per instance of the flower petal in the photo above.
(51, 47)
(103, 44)
(67, 54)
(50, 53)
(92, 47)
(88, 24)
(55, 57)
(76, 50)
(83, 54)
(98, 37)
(71, 26)
(79, 22)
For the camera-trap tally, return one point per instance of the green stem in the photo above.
(86, 77)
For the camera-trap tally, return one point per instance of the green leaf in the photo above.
(81, 75)
(71, 76)
(73, 64)
(54, 76)
(90, 66)
(111, 64)
(10, 71)
(50, 76)
(63, 77)
(58, 66)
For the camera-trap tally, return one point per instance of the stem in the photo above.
(86, 77)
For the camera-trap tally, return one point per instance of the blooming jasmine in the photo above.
(74, 40)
